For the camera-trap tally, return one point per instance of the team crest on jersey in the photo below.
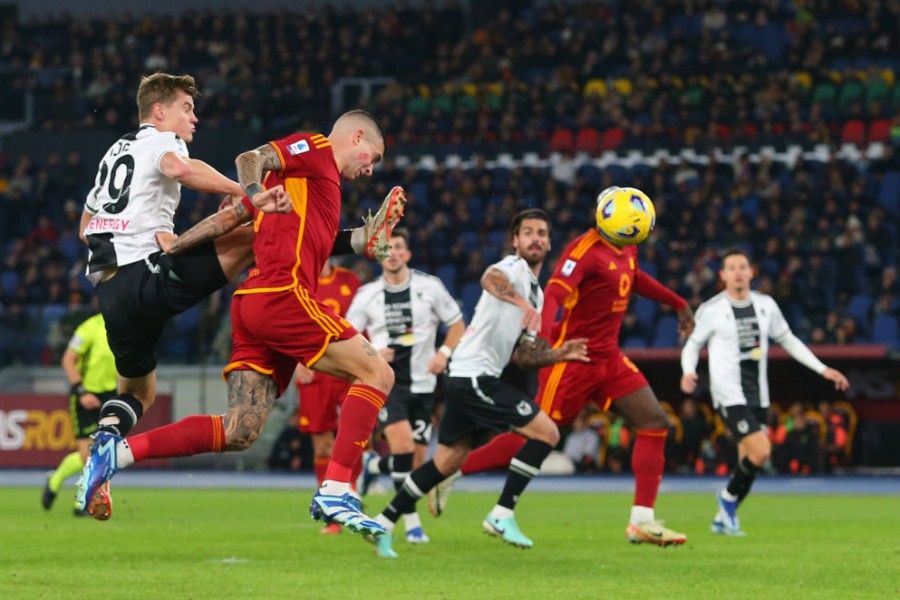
(568, 267)
(298, 147)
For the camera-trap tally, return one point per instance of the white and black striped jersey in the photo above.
(406, 318)
(489, 341)
(132, 199)
(737, 333)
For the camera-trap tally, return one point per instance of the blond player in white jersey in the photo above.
(128, 212)
(737, 324)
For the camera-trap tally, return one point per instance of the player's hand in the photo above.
(437, 364)
(689, 383)
(685, 323)
(304, 375)
(841, 383)
(165, 240)
(273, 200)
(531, 320)
(228, 202)
(387, 354)
(575, 349)
(89, 401)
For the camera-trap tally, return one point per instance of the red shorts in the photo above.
(273, 331)
(319, 402)
(567, 387)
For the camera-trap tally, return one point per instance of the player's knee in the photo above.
(382, 376)
(548, 433)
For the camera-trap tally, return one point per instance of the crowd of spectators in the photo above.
(550, 78)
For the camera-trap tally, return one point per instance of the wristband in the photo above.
(446, 351)
(253, 189)
(77, 389)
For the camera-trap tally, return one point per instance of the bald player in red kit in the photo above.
(592, 283)
(278, 320)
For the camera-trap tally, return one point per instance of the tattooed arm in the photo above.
(208, 229)
(536, 353)
(498, 285)
(251, 166)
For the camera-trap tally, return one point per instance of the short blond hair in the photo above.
(162, 88)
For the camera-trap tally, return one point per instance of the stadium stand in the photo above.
(756, 133)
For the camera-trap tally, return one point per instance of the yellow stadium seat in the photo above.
(623, 86)
(595, 87)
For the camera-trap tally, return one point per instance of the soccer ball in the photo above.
(625, 216)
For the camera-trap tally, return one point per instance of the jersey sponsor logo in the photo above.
(107, 224)
(568, 267)
(298, 147)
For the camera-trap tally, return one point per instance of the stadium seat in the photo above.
(666, 335)
(588, 140)
(612, 138)
(447, 273)
(884, 329)
(854, 132)
(471, 292)
(879, 130)
(889, 193)
(562, 140)
(645, 310)
(595, 87)
(825, 94)
(858, 308)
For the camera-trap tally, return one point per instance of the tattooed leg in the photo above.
(250, 399)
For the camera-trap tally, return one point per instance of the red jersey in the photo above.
(291, 248)
(593, 281)
(337, 290)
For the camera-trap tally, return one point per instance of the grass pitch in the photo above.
(262, 544)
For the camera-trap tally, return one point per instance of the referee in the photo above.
(737, 324)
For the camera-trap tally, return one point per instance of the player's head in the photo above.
(530, 231)
(357, 140)
(167, 101)
(736, 272)
(400, 253)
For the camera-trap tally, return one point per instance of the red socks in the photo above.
(359, 411)
(189, 436)
(648, 459)
(496, 454)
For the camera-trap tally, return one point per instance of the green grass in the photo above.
(262, 544)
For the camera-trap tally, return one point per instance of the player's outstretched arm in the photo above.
(536, 353)
(196, 175)
(841, 383)
(498, 285)
(211, 227)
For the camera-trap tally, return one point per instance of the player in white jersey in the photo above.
(131, 209)
(401, 312)
(506, 319)
(737, 324)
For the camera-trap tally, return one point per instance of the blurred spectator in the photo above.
(582, 444)
(798, 450)
(289, 449)
(836, 448)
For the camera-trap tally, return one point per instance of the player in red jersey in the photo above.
(321, 394)
(593, 282)
(278, 321)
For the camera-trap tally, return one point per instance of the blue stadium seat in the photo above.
(471, 292)
(858, 308)
(73, 249)
(884, 329)
(666, 332)
(9, 280)
(634, 341)
(645, 310)
(447, 273)
(889, 193)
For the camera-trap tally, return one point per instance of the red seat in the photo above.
(880, 130)
(562, 140)
(612, 138)
(854, 132)
(587, 140)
